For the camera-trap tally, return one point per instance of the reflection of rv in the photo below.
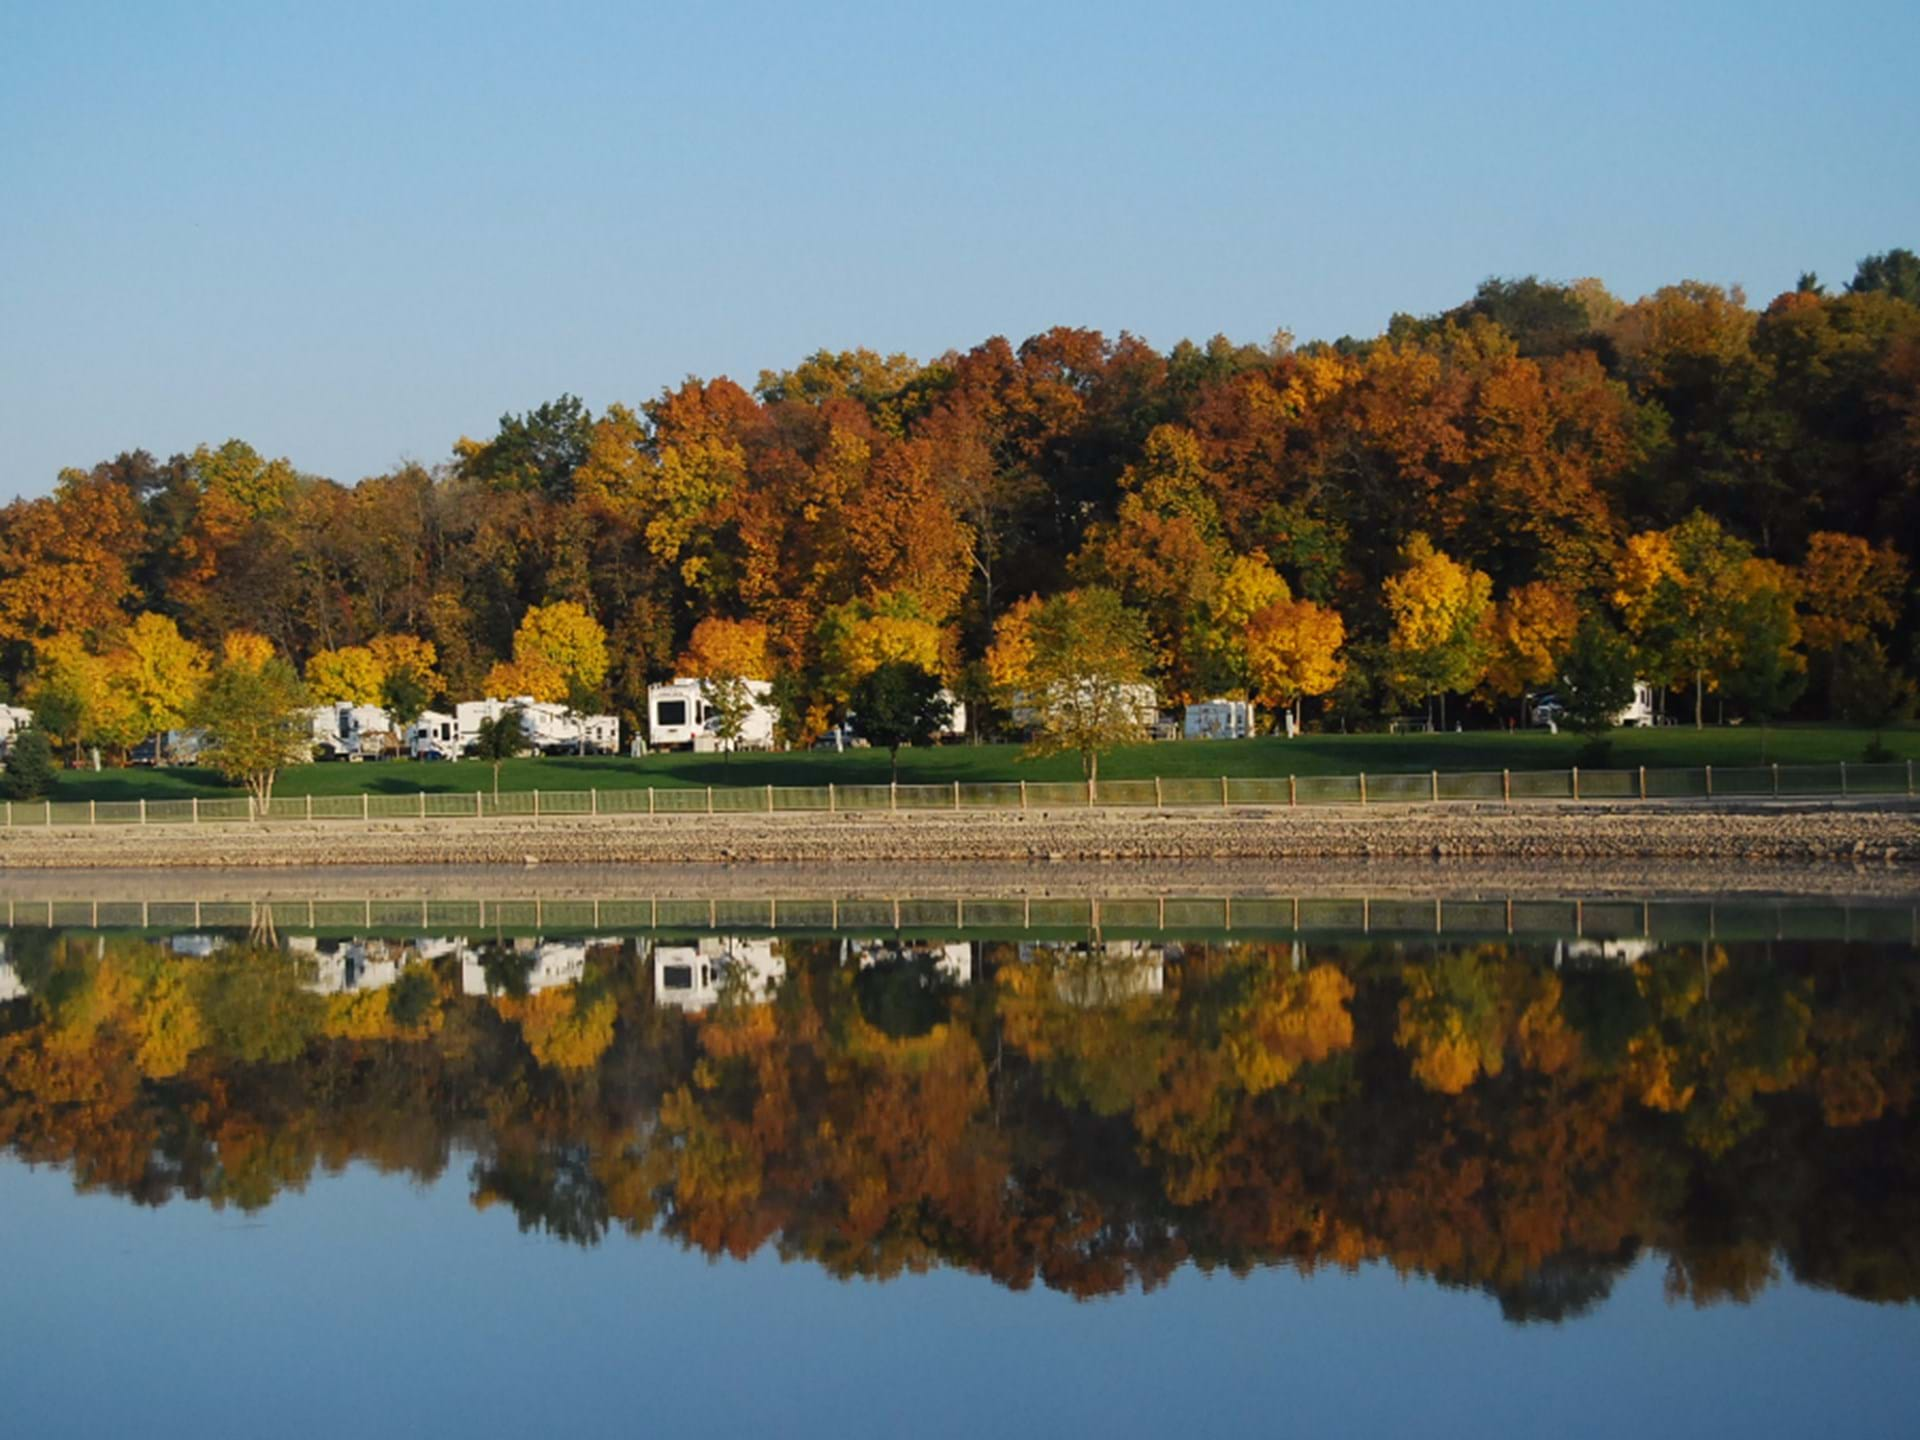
(551, 964)
(1622, 951)
(694, 976)
(196, 947)
(952, 959)
(340, 967)
(10, 986)
(1105, 972)
(1219, 720)
(680, 717)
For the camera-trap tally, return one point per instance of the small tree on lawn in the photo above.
(731, 702)
(583, 700)
(499, 739)
(1869, 690)
(899, 703)
(29, 766)
(256, 723)
(404, 696)
(1078, 664)
(1597, 676)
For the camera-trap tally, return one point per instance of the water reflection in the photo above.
(1527, 1116)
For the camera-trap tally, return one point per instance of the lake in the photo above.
(301, 1158)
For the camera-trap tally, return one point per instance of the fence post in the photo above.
(1506, 786)
(363, 805)
(1223, 791)
(1023, 794)
(1363, 787)
(1293, 792)
(143, 809)
(1643, 782)
(893, 795)
(593, 801)
(649, 799)
(309, 808)
(195, 812)
(1776, 779)
(1436, 786)
(1843, 779)
(1091, 782)
(423, 804)
(1159, 798)
(956, 794)
(536, 804)
(709, 799)
(769, 799)
(1709, 770)
(1576, 782)
(831, 802)
(93, 812)
(1910, 779)
(479, 806)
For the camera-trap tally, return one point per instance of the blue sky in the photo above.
(351, 233)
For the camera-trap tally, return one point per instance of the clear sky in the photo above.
(350, 233)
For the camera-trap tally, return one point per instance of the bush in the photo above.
(29, 766)
(1878, 754)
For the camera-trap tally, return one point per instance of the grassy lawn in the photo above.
(1268, 756)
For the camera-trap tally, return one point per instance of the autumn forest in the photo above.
(1367, 525)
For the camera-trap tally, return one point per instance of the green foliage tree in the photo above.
(30, 768)
(404, 696)
(255, 720)
(583, 699)
(1768, 675)
(1597, 678)
(499, 739)
(59, 711)
(731, 701)
(1895, 272)
(900, 704)
(1077, 666)
(1869, 690)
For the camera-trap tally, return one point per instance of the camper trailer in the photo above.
(679, 717)
(352, 732)
(1550, 711)
(435, 736)
(550, 729)
(1139, 699)
(1219, 720)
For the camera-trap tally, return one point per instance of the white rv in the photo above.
(693, 976)
(550, 729)
(1140, 700)
(12, 720)
(1550, 711)
(351, 732)
(952, 959)
(436, 736)
(680, 717)
(1219, 720)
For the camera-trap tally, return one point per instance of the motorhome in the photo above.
(352, 732)
(1219, 720)
(680, 716)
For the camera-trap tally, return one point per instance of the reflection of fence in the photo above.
(1189, 916)
(1432, 787)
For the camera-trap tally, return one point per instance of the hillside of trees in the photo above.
(1373, 526)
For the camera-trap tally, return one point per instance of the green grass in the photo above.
(1268, 756)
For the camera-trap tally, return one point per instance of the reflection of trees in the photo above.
(1088, 1117)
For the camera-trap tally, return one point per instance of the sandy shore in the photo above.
(1880, 835)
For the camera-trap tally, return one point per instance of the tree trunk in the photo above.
(1091, 764)
(1699, 699)
(894, 755)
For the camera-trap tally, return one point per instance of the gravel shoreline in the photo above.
(1865, 834)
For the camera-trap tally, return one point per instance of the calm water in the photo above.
(1466, 1167)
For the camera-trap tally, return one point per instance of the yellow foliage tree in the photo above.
(1530, 633)
(1293, 649)
(105, 714)
(1439, 607)
(160, 671)
(1849, 589)
(406, 655)
(245, 649)
(858, 638)
(559, 647)
(347, 676)
(720, 647)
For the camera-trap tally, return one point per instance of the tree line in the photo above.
(1722, 494)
